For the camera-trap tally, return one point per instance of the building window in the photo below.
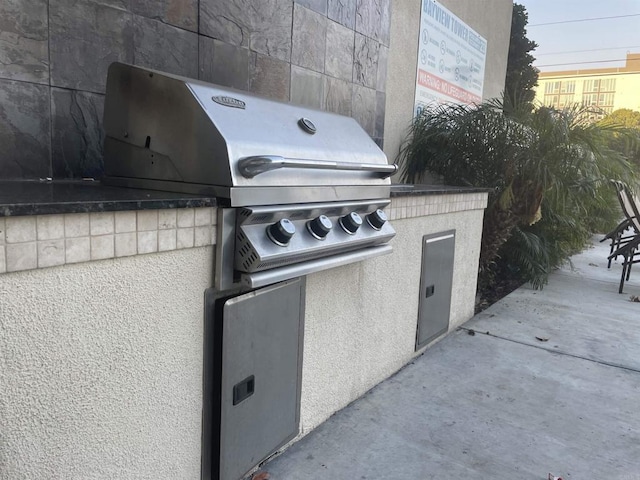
(599, 93)
(559, 94)
(568, 87)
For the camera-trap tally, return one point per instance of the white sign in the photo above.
(451, 59)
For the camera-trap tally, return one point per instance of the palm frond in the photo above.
(548, 172)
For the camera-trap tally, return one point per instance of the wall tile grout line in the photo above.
(198, 37)
(49, 92)
(5, 79)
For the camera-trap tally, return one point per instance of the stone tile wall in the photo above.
(54, 55)
(40, 241)
(420, 206)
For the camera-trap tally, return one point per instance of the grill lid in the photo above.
(173, 133)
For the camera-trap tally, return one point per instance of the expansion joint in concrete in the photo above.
(472, 331)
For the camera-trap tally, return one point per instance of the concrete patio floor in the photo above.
(502, 404)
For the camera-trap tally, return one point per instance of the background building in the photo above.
(605, 88)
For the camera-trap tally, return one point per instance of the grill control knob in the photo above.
(351, 223)
(319, 227)
(377, 219)
(281, 232)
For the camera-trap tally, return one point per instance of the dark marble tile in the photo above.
(269, 77)
(306, 87)
(271, 28)
(77, 136)
(373, 19)
(264, 26)
(224, 64)
(85, 38)
(343, 12)
(228, 21)
(24, 34)
(365, 61)
(309, 37)
(337, 95)
(25, 138)
(164, 47)
(181, 13)
(319, 6)
(338, 60)
(383, 59)
(378, 130)
(363, 108)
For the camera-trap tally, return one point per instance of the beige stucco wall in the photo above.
(490, 18)
(360, 323)
(101, 368)
(627, 88)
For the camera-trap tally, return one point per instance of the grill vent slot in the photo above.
(245, 255)
(265, 217)
(249, 261)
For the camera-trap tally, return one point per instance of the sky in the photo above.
(601, 43)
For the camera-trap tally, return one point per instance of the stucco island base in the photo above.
(101, 362)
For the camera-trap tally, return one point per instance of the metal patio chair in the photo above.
(627, 248)
(619, 235)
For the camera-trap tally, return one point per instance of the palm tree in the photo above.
(543, 164)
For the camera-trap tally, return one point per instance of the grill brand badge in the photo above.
(229, 101)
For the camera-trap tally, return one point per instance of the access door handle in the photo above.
(243, 389)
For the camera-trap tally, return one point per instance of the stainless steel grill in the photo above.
(300, 190)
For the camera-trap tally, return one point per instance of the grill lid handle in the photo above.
(252, 166)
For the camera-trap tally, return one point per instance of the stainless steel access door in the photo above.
(260, 375)
(436, 279)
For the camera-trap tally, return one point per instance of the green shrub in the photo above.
(548, 172)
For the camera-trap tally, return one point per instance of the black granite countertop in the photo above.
(404, 190)
(41, 198)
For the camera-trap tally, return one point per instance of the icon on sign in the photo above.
(458, 57)
(423, 57)
(441, 67)
(443, 47)
(425, 36)
(457, 73)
